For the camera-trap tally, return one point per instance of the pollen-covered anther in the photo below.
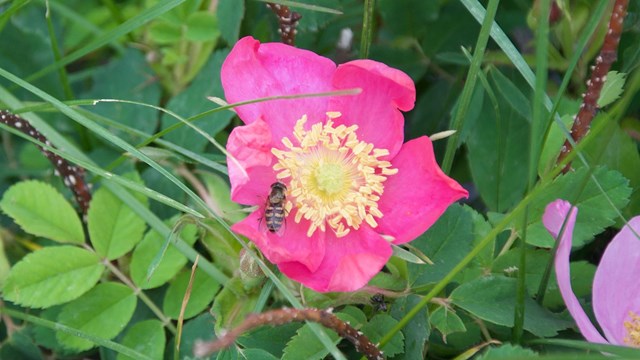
(633, 330)
(335, 179)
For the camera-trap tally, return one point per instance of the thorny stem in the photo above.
(285, 316)
(287, 20)
(608, 55)
(72, 176)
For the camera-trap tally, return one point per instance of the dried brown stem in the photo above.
(287, 315)
(608, 55)
(72, 176)
(287, 20)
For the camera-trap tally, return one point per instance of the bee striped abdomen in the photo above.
(274, 216)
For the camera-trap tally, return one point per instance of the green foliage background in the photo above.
(123, 89)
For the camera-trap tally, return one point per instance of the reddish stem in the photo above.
(72, 176)
(287, 315)
(288, 20)
(608, 55)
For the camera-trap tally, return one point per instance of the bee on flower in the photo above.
(353, 187)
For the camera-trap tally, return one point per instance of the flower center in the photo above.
(334, 178)
(633, 330)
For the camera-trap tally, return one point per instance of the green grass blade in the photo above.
(367, 28)
(470, 83)
(110, 36)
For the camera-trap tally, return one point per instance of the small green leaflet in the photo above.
(612, 88)
(146, 337)
(42, 211)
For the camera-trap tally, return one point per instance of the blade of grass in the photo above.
(110, 36)
(7, 14)
(470, 83)
(367, 28)
(622, 351)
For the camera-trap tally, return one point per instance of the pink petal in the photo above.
(350, 262)
(385, 91)
(417, 195)
(616, 289)
(553, 218)
(292, 245)
(250, 163)
(253, 70)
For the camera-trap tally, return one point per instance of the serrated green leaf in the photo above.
(305, 344)
(612, 88)
(20, 346)
(492, 299)
(147, 253)
(202, 26)
(378, 327)
(446, 321)
(594, 211)
(417, 331)
(51, 276)
(163, 32)
(104, 312)
(114, 229)
(42, 211)
(146, 337)
(230, 14)
(258, 354)
(445, 243)
(271, 339)
(202, 293)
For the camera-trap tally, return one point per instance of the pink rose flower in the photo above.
(616, 285)
(353, 187)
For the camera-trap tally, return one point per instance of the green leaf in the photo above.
(146, 337)
(103, 312)
(194, 330)
(51, 276)
(164, 32)
(20, 346)
(4, 263)
(202, 26)
(446, 321)
(258, 354)
(42, 211)
(507, 351)
(612, 88)
(496, 146)
(378, 327)
(595, 213)
(271, 339)
(232, 305)
(202, 293)
(552, 145)
(305, 344)
(146, 255)
(127, 78)
(493, 299)
(407, 18)
(221, 197)
(445, 243)
(417, 331)
(230, 14)
(192, 101)
(114, 229)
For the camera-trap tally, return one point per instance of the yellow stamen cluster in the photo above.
(334, 178)
(633, 330)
